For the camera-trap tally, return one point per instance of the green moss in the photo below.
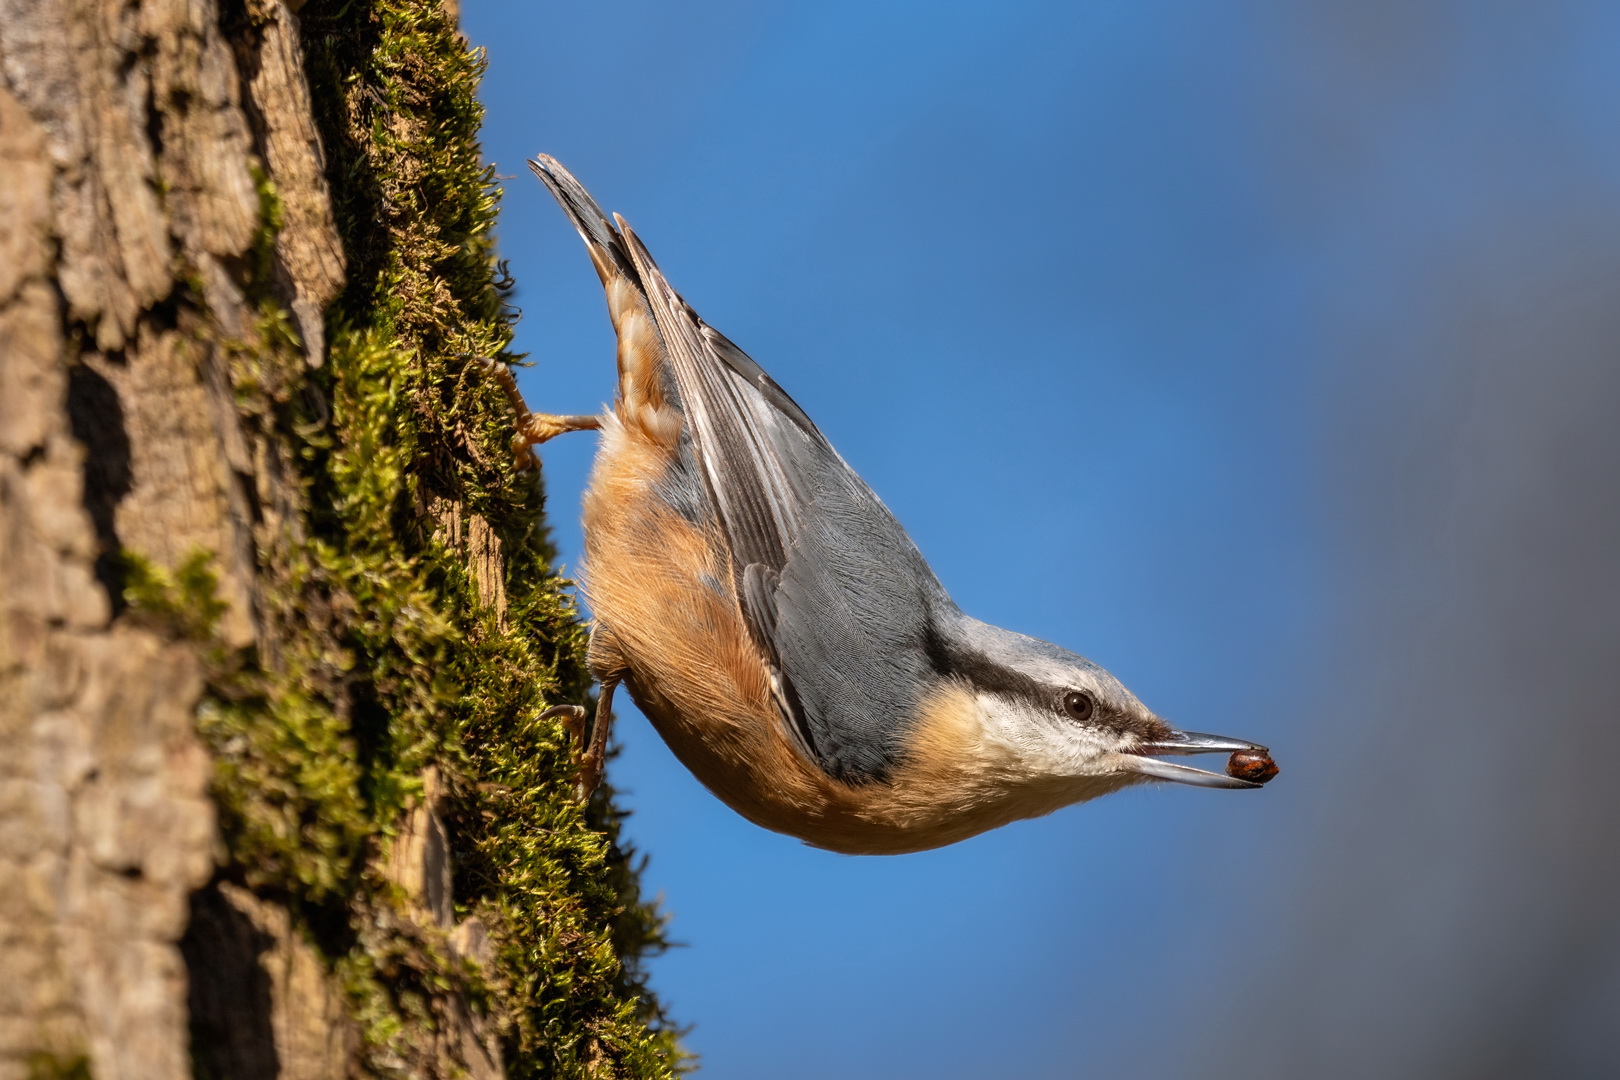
(47, 1066)
(379, 658)
(184, 600)
(262, 250)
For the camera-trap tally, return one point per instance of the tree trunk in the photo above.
(276, 620)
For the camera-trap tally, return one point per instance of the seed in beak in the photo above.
(1254, 766)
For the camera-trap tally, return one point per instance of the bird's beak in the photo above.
(1189, 742)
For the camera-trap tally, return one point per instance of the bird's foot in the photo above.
(532, 428)
(589, 757)
(535, 428)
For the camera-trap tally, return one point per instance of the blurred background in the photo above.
(1268, 353)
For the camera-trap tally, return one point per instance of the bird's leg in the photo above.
(595, 756)
(533, 428)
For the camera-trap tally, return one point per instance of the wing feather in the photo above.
(731, 426)
(830, 585)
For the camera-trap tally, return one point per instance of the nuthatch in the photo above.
(780, 629)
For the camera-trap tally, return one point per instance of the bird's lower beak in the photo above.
(1190, 742)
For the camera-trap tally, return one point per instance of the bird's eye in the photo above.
(1079, 705)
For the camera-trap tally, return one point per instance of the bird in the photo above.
(782, 632)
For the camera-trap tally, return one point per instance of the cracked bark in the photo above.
(129, 135)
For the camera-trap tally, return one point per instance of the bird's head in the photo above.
(1054, 721)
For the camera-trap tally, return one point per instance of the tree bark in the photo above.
(276, 624)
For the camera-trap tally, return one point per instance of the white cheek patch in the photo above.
(1042, 746)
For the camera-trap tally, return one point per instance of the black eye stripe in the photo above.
(946, 658)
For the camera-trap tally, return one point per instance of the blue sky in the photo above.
(1165, 329)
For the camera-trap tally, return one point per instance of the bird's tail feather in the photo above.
(602, 240)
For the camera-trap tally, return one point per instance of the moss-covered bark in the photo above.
(405, 453)
(365, 616)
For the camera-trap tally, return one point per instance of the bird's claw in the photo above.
(588, 767)
(587, 753)
(572, 717)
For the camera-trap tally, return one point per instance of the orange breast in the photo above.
(661, 591)
(660, 587)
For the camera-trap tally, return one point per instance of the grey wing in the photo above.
(831, 586)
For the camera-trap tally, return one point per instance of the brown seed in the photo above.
(1254, 766)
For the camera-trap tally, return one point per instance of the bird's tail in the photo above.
(647, 401)
(604, 242)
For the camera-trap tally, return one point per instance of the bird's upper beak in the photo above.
(1189, 742)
